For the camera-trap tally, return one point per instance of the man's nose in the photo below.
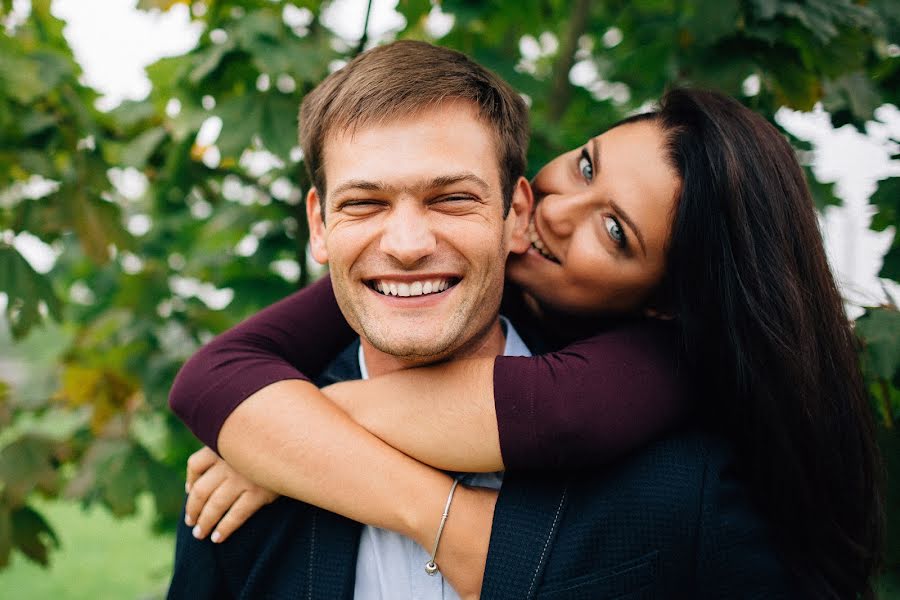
(562, 212)
(408, 235)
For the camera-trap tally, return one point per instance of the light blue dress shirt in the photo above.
(390, 566)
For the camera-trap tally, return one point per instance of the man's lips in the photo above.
(412, 285)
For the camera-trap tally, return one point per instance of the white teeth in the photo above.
(416, 288)
(538, 244)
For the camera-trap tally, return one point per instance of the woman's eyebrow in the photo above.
(595, 152)
(630, 223)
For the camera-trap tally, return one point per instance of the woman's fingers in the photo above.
(201, 490)
(243, 508)
(198, 463)
(219, 502)
(219, 495)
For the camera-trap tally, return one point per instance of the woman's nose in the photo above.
(562, 212)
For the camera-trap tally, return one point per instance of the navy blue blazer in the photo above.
(670, 521)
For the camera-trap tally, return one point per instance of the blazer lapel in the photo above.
(332, 556)
(334, 540)
(526, 519)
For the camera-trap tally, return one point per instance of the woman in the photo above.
(730, 252)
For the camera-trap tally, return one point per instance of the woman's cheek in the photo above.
(515, 269)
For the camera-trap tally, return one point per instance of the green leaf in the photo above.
(6, 535)
(854, 92)
(162, 5)
(879, 330)
(34, 122)
(279, 125)
(207, 61)
(97, 222)
(28, 464)
(241, 120)
(137, 152)
(255, 25)
(890, 268)
(167, 486)
(131, 113)
(113, 472)
(21, 79)
(5, 404)
(794, 85)
(887, 199)
(764, 9)
(25, 289)
(414, 11)
(169, 72)
(822, 193)
(713, 20)
(33, 535)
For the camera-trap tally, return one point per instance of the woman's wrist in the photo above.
(421, 509)
(464, 543)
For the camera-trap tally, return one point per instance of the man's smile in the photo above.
(421, 286)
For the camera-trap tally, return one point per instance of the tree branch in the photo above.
(365, 34)
(562, 89)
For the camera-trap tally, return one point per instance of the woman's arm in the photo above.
(328, 460)
(585, 405)
(292, 339)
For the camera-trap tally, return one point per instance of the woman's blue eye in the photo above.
(614, 228)
(585, 167)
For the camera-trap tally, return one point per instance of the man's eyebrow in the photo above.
(435, 182)
(361, 184)
(445, 180)
(595, 152)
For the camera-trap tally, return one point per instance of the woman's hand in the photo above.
(219, 499)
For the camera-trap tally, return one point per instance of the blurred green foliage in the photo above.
(130, 291)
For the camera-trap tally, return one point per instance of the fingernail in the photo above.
(196, 532)
(187, 488)
(188, 521)
(215, 537)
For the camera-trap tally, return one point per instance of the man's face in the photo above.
(414, 232)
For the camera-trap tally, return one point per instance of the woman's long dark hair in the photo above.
(765, 331)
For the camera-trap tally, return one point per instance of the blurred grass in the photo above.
(99, 557)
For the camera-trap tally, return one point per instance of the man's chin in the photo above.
(417, 351)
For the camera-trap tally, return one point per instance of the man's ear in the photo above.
(519, 216)
(316, 227)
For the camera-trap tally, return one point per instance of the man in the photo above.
(403, 201)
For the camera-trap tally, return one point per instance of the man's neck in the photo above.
(488, 345)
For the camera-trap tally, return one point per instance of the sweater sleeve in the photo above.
(592, 401)
(292, 339)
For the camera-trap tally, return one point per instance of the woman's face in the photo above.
(601, 224)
